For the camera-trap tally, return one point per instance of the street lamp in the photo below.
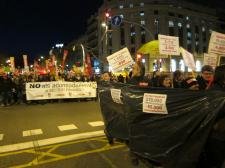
(104, 25)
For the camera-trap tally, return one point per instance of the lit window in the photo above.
(179, 24)
(189, 70)
(188, 41)
(171, 24)
(132, 34)
(131, 5)
(189, 34)
(173, 65)
(142, 32)
(187, 17)
(142, 4)
(181, 65)
(196, 43)
(121, 6)
(142, 13)
(142, 22)
(198, 66)
(188, 26)
(203, 29)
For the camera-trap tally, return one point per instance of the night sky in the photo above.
(34, 26)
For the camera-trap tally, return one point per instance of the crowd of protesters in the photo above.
(12, 87)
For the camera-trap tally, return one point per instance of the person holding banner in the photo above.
(138, 72)
(205, 80)
(215, 147)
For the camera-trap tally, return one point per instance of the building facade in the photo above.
(143, 20)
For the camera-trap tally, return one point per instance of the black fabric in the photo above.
(113, 113)
(175, 140)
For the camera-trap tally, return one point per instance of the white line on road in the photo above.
(67, 127)
(1, 137)
(32, 132)
(50, 141)
(96, 123)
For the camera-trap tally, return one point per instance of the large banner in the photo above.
(217, 43)
(120, 60)
(168, 45)
(60, 90)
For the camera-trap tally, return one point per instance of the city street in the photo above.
(65, 134)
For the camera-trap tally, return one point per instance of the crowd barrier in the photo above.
(169, 127)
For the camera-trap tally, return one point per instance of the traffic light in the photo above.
(107, 14)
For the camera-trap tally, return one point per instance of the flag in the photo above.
(65, 53)
(88, 67)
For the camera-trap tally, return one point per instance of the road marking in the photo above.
(50, 141)
(1, 137)
(32, 132)
(96, 123)
(67, 127)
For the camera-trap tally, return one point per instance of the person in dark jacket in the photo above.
(205, 80)
(215, 147)
(6, 90)
(178, 77)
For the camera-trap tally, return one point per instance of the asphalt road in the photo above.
(65, 134)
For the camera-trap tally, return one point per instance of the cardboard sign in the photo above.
(210, 59)
(188, 59)
(154, 103)
(217, 43)
(116, 94)
(120, 60)
(168, 45)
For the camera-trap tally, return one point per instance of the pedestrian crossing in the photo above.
(67, 127)
(61, 128)
(32, 132)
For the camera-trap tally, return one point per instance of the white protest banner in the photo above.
(217, 43)
(12, 63)
(116, 93)
(168, 45)
(154, 103)
(120, 60)
(26, 67)
(210, 59)
(188, 59)
(60, 89)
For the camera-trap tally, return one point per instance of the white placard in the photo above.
(217, 43)
(59, 90)
(120, 60)
(154, 103)
(116, 94)
(210, 59)
(188, 59)
(168, 45)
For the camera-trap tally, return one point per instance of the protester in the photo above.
(155, 79)
(165, 81)
(178, 77)
(215, 147)
(219, 78)
(138, 72)
(205, 80)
